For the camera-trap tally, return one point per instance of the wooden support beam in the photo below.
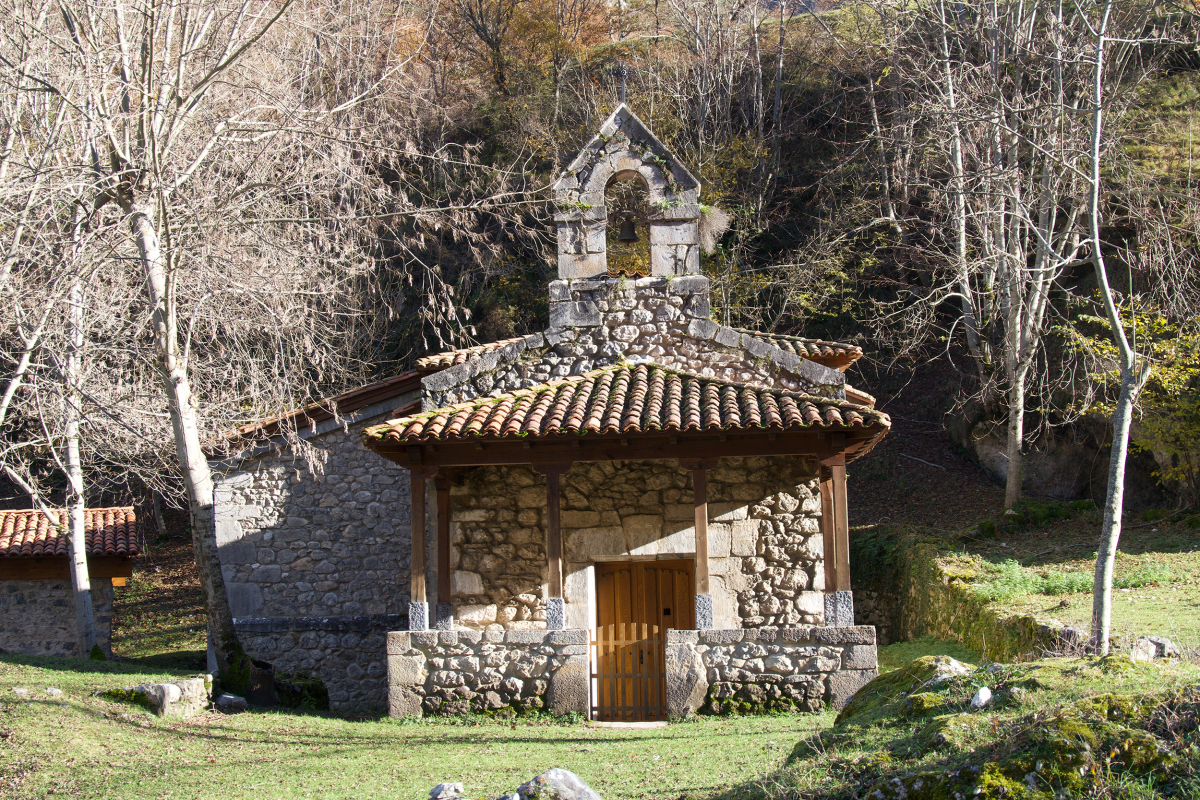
(545, 451)
(699, 469)
(441, 484)
(417, 476)
(700, 502)
(554, 545)
(841, 528)
(828, 537)
(555, 604)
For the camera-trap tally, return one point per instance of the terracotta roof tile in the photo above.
(451, 358)
(813, 349)
(109, 531)
(627, 399)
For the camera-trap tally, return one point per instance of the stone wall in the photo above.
(347, 654)
(455, 672)
(600, 322)
(317, 562)
(38, 617)
(768, 669)
(765, 545)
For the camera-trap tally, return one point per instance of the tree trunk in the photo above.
(81, 585)
(1110, 529)
(1133, 378)
(192, 462)
(758, 72)
(1016, 435)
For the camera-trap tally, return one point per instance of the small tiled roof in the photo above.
(815, 349)
(628, 399)
(452, 358)
(109, 532)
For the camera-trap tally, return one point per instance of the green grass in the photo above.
(79, 745)
(929, 739)
(1047, 572)
(894, 656)
(1008, 579)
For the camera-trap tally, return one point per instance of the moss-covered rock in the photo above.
(879, 697)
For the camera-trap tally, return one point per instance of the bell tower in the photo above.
(626, 148)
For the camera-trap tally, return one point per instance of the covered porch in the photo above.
(625, 416)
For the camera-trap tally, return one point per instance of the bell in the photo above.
(627, 232)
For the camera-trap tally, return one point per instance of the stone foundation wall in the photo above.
(875, 608)
(766, 553)
(768, 669)
(601, 322)
(346, 654)
(38, 617)
(316, 563)
(456, 672)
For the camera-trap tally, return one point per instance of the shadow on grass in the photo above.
(187, 660)
(113, 667)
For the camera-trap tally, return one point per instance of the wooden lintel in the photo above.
(553, 449)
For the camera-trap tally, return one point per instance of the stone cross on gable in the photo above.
(626, 148)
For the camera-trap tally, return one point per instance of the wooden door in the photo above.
(637, 602)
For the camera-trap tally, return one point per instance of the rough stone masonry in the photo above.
(455, 672)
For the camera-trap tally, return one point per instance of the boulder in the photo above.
(982, 698)
(230, 703)
(1148, 648)
(556, 784)
(928, 672)
(182, 698)
(447, 791)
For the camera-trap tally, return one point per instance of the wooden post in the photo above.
(700, 502)
(841, 526)
(556, 608)
(418, 605)
(704, 605)
(828, 538)
(445, 613)
(835, 527)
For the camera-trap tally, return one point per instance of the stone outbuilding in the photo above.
(635, 513)
(37, 613)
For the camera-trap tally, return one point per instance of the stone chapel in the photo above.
(636, 513)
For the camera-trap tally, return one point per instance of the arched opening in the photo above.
(627, 234)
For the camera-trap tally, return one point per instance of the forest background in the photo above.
(216, 213)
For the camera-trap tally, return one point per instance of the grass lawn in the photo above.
(1047, 571)
(77, 745)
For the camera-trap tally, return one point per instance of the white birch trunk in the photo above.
(1133, 378)
(81, 585)
(1016, 436)
(193, 465)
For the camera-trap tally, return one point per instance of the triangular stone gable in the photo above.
(626, 143)
(598, 323)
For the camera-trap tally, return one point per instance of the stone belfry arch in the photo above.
(625, 146)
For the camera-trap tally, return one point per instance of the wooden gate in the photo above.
(637, 602)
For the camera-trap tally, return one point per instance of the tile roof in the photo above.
(452, 358)
(322, 410)
(628, 399)
(109, 531)
(815, 349)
